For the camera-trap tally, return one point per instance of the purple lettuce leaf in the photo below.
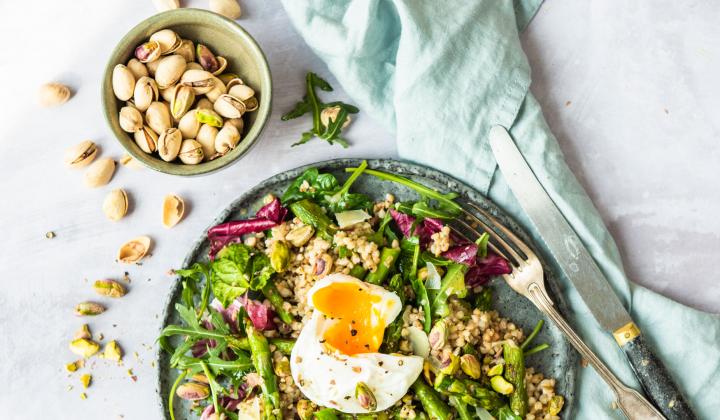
(229, 314)
(260, 314)
(272, 211)
(232, 232)
(485, 268)
(230, 404)
(463, 254)
(200, 348)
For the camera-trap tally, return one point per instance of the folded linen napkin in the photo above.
(440, 74)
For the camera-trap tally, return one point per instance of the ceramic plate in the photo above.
(560, 361)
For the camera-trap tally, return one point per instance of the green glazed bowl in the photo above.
(225, 38)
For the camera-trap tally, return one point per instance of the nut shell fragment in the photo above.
(115, 205)
(134, 250)
(81, 154)
(99, 173)
(53, 94)
(173, 210)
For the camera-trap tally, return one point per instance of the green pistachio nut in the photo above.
(109, 288)
(450, 365)
(470, 365)
(500, 385)
(282, 367)
(209, 117)
(304, 409)
(112, 351)
(193, 391)
(89, 308)
(84, 347)
(300, 236)
(365, 397)
(555, 405)
(438, 335)
(495, 370)
(279, 256)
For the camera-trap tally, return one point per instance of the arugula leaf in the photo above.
(191, 277)
(429, 257)
(409, 258)
(482, 243)
(319, 185)
(423, 209)
(453, 283)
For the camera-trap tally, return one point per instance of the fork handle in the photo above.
(630, 402)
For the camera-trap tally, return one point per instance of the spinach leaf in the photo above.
(483, 300)
(261, 271)
(236, 269)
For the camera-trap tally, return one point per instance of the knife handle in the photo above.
(654, 377)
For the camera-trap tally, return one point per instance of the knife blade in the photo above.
(582, 270)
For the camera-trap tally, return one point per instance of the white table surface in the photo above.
(630, 89)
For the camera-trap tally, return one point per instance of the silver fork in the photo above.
(527, 279)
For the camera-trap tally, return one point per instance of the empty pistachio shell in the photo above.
(191, 152)
(158, 117)
(53, 94)
(123, 82)
(173, 210)
(242, 92)
(109, 288)
(134, 250)
(146, 139)
(167, 38)
(229, 106)
(206, 137)
(168, 92)
(165, 5)
(234, 82)
(148, 52)
(189, 125)
(328, 115)
(181, 101)
(130, 162)
(227, 77)
(131, 120)
(208, 116)
(237, 122)
(227, 8)
(204, 103)
(186, 50)
(169, 144)
(146, 91)
(137, 68)
(100, 172)
(115, 205)
(89, 308)
(227, 138)
(200, 80)
(217, 90)
(206, 58)
(82, 154)
(169, 71)
(252, 104)
(222, 65)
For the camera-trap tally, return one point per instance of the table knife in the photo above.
(580, 268)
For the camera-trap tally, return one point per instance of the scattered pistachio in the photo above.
(112, 351)
(53, 94)
(329, 115)
(200, 377)
(83, 332)
(82, 154)
(109, 288)
(134, 250)
(165, 5)
(470, 365)
(50, 235)
(365, 397)
(282, 367)
(300, 236)
(228, 8)
(323, 266)
(83, 396)
(85, 380)
(84, 347)
(499, 384)
(115, 205)
(89, 308)
(129, 162)
(99, 173)
(173, 210)
(193, 391)
(71, 367)
(279, 256)
(450, 365)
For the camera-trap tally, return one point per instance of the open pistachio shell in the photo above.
(169, 144)
(148, 52)
(209, 117)
(242, 92)
(222, 65)
(146, 139)
(167, 38)
(191, 152)
(169, 71)
(181, 101)
(99, 173)
(186, 50)
(173, 210)
(137, 68)
(131, 120)
(158, 117)
(251, 104)
(228, 8)
(229, 106)
(206, 138)
(217, 90)
(53, 94)
(123, 82)
(200, 80)
(82, 154)
(227, 77)
(115, 205)
(134, 250)
(206, 58)
(227, 138)
(189, 125)
(233, 82)
(146, 92)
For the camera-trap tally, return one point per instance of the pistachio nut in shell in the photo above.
(123, 82)
(131, 120)
(229, 106)
(53, 94)
(84, 347)
(173, 210)
(148, 51)
(165, 5)
(130, 162)
(146, 139)
(227, 77)
(234, 82)
(194, 66)
(158, 117)
(228, 8)
(237, 122)
(146, 92)
(89, 308)
(191, 152)
(137, 68)
(252, 104)
(193, 391)
(242, 92)
(169, 70)
(169, 144)
(204, 103)
(189, 125)
(200, 80)
(168, 92)
(206, 138)
(330, 114)
(227, 138)
(152, 66)
(186, 50)
(167, 38)
(115, 205)
(134, 250)
(216, 91)
(99, 173)
(206, 58)
(182, 100)
(223, 63)
(209, 117)
(82, 154)
(109, 288)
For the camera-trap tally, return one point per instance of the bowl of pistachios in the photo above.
(187, 92)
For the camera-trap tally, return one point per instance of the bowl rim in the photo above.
(187, 15)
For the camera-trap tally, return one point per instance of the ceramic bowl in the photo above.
(225, 38)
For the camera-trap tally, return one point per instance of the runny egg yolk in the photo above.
(357, 324)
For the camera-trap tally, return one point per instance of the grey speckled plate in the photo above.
(560, 361)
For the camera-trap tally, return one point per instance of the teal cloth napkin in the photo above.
(440, 74)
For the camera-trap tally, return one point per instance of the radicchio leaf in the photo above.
(423, 230)
(200, 348)
(230, 404)
(232, 232)
(463, 254)
(229, 314)
(492, 265)
(260, 314)
(272, 211)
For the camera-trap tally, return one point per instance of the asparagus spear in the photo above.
(388, 256)
(461, 407)
(393, 332)
(326, 414)
(469, 391)
(311, 214)
(262, 360)
(358, 271)
(515, 374)
(283, 345)
(431, 402)
(276, 300)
